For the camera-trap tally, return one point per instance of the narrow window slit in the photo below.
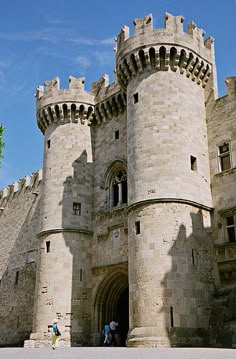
(136, 97)
(117, 134)
(193, 162)
(137, 227)
(171, 317)
(16, 277)
(47, 246)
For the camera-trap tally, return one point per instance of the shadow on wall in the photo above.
(223, 318)
(189, 286)
(77, 207)
(21, 218)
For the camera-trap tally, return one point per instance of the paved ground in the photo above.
(117, 353)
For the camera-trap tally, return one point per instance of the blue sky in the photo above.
(43, 39)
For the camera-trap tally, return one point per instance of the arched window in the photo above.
(119, 189)
(115, 184)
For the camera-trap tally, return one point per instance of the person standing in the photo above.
(113, 328)
(55, 334)
(106, 333)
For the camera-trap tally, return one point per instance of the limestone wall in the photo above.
(19, 222)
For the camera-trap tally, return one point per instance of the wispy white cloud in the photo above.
(108, 41)
(104, 57)
(82, 41)
(46, 34)
(54, 35)
(83, 62)
(12, 78)
(60, 21)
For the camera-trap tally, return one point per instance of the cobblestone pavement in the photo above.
(117, 353)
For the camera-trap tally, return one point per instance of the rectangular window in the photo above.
(77, 209)
(230, 228)
(137, 227)
(136, 97)
(193, 162)
(117, 134)
(49, 143)
(224, 157)
(81, 275)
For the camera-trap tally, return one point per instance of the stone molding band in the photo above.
(168, 200)
(63, 230)
(64, 112)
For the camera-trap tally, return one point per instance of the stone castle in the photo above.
(133, 216)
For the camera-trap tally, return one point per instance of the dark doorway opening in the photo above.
(122, 315)
(112, 303)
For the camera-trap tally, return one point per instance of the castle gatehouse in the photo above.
(133, 215)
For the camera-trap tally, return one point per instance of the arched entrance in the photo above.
(112, 302)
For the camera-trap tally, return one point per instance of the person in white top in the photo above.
(113, 326)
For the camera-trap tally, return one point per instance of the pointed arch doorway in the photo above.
(112, 302)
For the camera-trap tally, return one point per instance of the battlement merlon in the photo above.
(51, 93)
(171, 34)
(100, 84)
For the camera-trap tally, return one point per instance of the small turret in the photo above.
(60, 106)
(190, 54)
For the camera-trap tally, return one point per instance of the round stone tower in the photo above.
(63, 273)
(171, 272)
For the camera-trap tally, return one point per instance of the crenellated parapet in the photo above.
(110, 100)
(59, 106)
(168, 49)
(28, 183)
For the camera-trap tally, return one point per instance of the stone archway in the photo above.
(112, 301)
